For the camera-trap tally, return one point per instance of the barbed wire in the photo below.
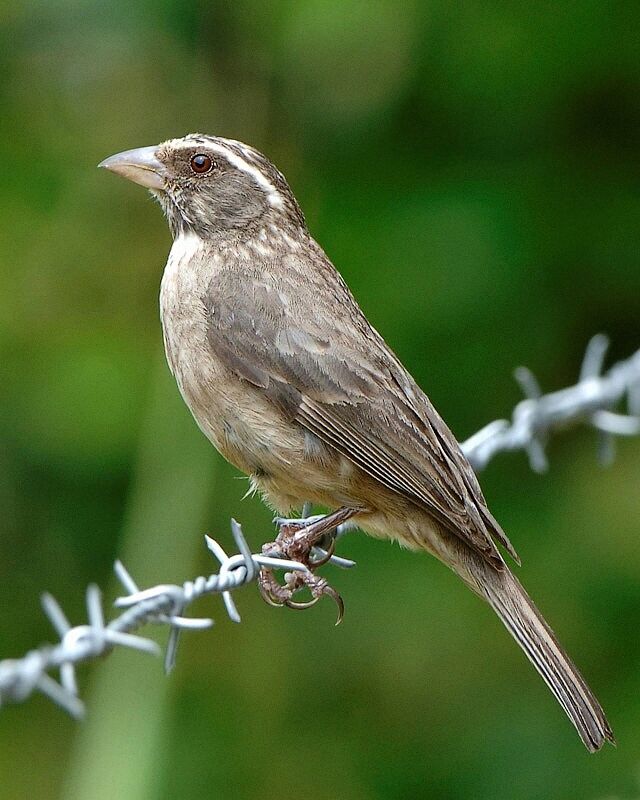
(164, 604)
(589, 401)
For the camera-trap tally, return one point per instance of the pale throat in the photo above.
(185, 246)
(184, 281)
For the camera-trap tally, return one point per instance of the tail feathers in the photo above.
(527, 626)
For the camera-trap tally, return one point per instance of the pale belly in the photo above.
(284, 462)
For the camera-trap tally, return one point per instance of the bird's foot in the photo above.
(277, 594)
(297, 537)
(296, 540)
(326, 541)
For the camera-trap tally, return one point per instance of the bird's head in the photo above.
(208, 185)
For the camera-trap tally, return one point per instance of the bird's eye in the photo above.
(201, 164)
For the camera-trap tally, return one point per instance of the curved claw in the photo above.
(313, 565)
(337, 600)
(269, 599)
(301, 606)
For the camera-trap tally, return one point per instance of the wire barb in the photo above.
(590, 401)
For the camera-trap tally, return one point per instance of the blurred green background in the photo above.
(472, 169)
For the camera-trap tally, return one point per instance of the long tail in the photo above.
(526, 624)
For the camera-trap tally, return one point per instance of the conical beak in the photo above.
(140, 166)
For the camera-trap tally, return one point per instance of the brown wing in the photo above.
(294, 330)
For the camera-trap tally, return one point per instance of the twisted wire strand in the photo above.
(163, 604)
(590, 401)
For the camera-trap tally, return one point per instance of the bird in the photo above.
(286, 377)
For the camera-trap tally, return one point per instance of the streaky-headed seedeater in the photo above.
(286, 377)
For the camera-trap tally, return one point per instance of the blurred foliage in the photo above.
(473, 171)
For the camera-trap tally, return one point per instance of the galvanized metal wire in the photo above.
(590, 401)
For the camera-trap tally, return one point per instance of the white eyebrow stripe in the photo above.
(273, 195)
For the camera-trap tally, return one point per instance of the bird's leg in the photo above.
(295, 541)
(298, 537)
